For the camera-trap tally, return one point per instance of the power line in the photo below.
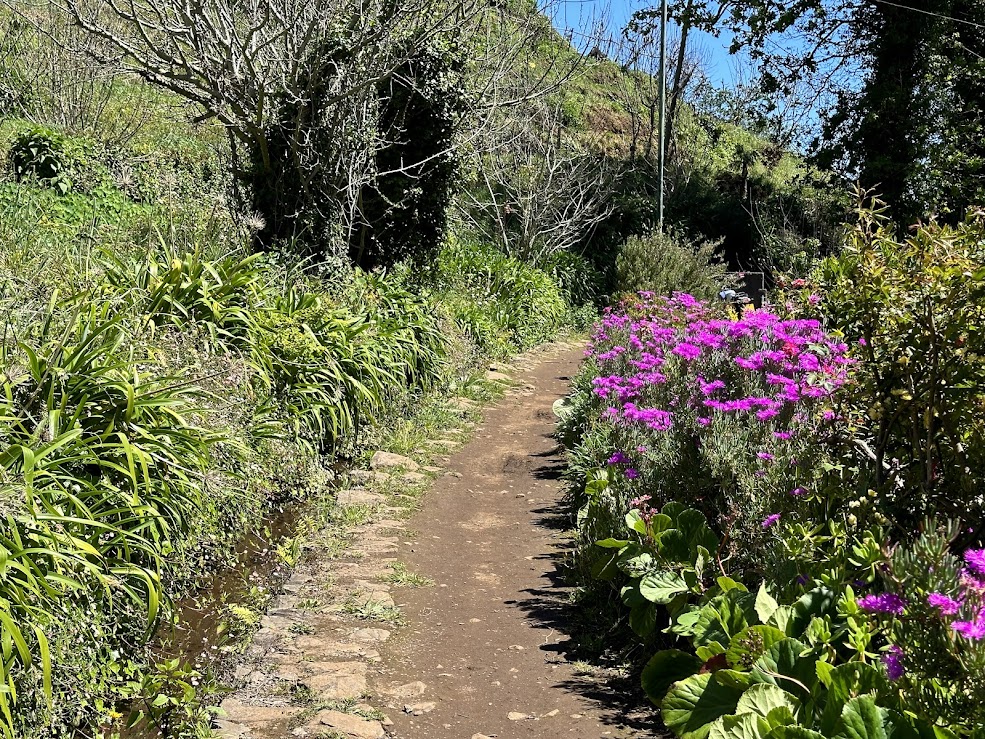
(930, 12)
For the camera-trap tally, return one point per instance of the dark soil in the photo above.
(498, 633)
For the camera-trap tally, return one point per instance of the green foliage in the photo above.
(41, 153)
(665, 263)
(497, 300)
(915, 310)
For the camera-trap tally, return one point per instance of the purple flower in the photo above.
(893, 661)
(687, 351)
(783, 435)
(883, 603)
(974, 630)
(945, 604)
(770, 520)
(618, 458)
(631, 473)
(798, 491)
(976, 560)
(764, 455)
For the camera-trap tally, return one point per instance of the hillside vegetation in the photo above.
(216, 291)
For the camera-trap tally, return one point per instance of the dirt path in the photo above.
(483, 652)
(485, 639)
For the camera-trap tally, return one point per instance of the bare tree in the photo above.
(307, 89)
(43, 82)
(537, 192)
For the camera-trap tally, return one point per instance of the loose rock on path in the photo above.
(481, 653)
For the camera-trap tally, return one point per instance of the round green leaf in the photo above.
(666, 668)
(693, 704)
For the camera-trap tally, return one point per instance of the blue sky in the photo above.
(576, 15)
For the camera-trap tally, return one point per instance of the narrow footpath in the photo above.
(486, 639)
(486, 650)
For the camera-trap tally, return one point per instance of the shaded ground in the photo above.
(492, 639)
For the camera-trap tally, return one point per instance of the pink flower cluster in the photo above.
(972, 590)
(758, 364)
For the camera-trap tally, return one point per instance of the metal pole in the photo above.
(663, 107)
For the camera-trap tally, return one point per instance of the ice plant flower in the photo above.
(771, 520)
(883, 603)
(631, 473)
(892, 660)
(973, 630)
(975, 558)
(618, 458)
(947, 605)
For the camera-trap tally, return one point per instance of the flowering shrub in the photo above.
(931, 618)
(737, 445)
(913, 310)
(717, 411)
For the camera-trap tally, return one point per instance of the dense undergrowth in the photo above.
(163, 388)
(786, 500)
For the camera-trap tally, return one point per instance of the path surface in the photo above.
(484, 639)
(484, 651)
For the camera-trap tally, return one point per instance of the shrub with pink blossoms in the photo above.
(727, 408)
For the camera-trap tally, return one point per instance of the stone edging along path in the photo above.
(346, 652)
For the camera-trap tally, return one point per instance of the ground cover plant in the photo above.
(753, 486)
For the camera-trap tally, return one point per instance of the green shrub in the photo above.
(671, 262)
(497, 293)
(914, 311)
(41, 153)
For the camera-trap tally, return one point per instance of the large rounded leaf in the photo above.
(794, 732)
(750, 644)
(746, 726)
(666, 668)
(861, 718)
(846, 681)
(790, 664)
(693, 704)
(762, 698)
(662, 587)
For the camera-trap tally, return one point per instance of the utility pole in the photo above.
(663, 109)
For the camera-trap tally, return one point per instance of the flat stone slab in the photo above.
(385, 460)
(333, 687)
(371, 635)
(358, 496)
(348, 724)
(242, 713)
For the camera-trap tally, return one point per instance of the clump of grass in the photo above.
(400, 575)
(372, 610)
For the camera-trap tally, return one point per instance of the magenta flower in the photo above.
(771, 520)
(976, 560)
(687, 351)
(798, 491)
(764, 455)
(945, 604)
(973, 630)
(782, 435)
(618, 458)
(883, 603)
(631, 473)
(893, 662)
